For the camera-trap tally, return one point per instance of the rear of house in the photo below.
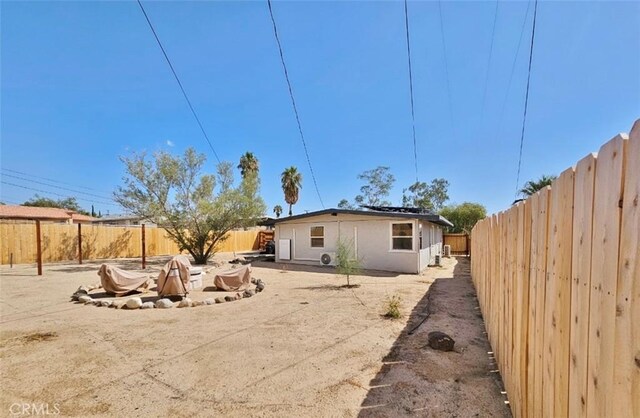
(381, 240)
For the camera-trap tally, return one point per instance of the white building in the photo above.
(381, 240)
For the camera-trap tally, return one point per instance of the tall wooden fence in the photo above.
(459, 243)
(60, 242)
(558, 281)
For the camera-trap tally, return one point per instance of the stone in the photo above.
(164, 304)
(85, 299)
(197, 303)
(229, 298)
(254, 280)
(118, 304)
(259, 286)
(147, 305)
(209, 301)
(239, 296)
(440, 341)
(249, 292)
(220, 300)
(185, 303)
(105, 303)
(134, 303)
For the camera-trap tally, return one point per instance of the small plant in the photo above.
(392, 306)
(346, 262)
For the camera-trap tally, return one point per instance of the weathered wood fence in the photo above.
(60, 242)
(558, 281)
(459, 243)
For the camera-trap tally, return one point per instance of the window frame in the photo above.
(412, 237)
(311, 237)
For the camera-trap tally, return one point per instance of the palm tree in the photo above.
(277, 209)
(291, 185)
(531, 187)
(249, 164)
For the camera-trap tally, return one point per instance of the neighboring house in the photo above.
(392, 240)
(33, 213)
(123, 220)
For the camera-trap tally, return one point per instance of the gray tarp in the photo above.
(120, 282)
(173, 279)
(232, 280)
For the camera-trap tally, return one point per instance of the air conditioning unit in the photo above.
(328, 259)
(438, 262)
(447, 251)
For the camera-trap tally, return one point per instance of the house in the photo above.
(34, 213)
(123, 220)
(401, 240)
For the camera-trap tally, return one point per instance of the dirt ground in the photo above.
(303, 347)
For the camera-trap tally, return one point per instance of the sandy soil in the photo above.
(303, 347)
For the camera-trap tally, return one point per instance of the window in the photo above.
(317, 237)
(402, 236)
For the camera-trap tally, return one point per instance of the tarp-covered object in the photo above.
(120, 282)
(173, 279)
(232, 280)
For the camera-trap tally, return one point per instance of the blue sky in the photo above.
(84, 83)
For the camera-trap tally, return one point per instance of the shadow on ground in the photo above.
(417, 380)
(286, 267)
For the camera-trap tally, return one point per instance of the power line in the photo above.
(184, 93)
(486, 81)
(513, 68)
(54, 186)
(293, 100)
(413, 116)
(526, 96)
(48, 179)
(446, 66)
(54, 194)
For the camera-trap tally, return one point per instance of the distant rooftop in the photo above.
(39, 213)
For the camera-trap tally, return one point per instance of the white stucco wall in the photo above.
(371, 237)
(431, 243)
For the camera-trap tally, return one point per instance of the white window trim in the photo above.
(323, 236)
(413, 236)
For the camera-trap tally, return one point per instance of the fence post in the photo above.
(468, 245)
(38, 248)
(79, 243)
(144, 250)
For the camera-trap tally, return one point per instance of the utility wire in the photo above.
(526, 96)
(48, 179)
(54, 186)
(184, 93)
(55, 194)
(413, 116)
(513, 68)
(486, 81)
(293, 100)
(446, 66)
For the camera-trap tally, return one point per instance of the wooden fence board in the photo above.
(560, 248)
(543, 208)
(581, 283)
(604, 271)
(626, 389)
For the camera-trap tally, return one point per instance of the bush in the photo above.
(392, 306)
(347, 263)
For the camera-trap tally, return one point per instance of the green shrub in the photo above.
(347, 263)
(392, 307)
